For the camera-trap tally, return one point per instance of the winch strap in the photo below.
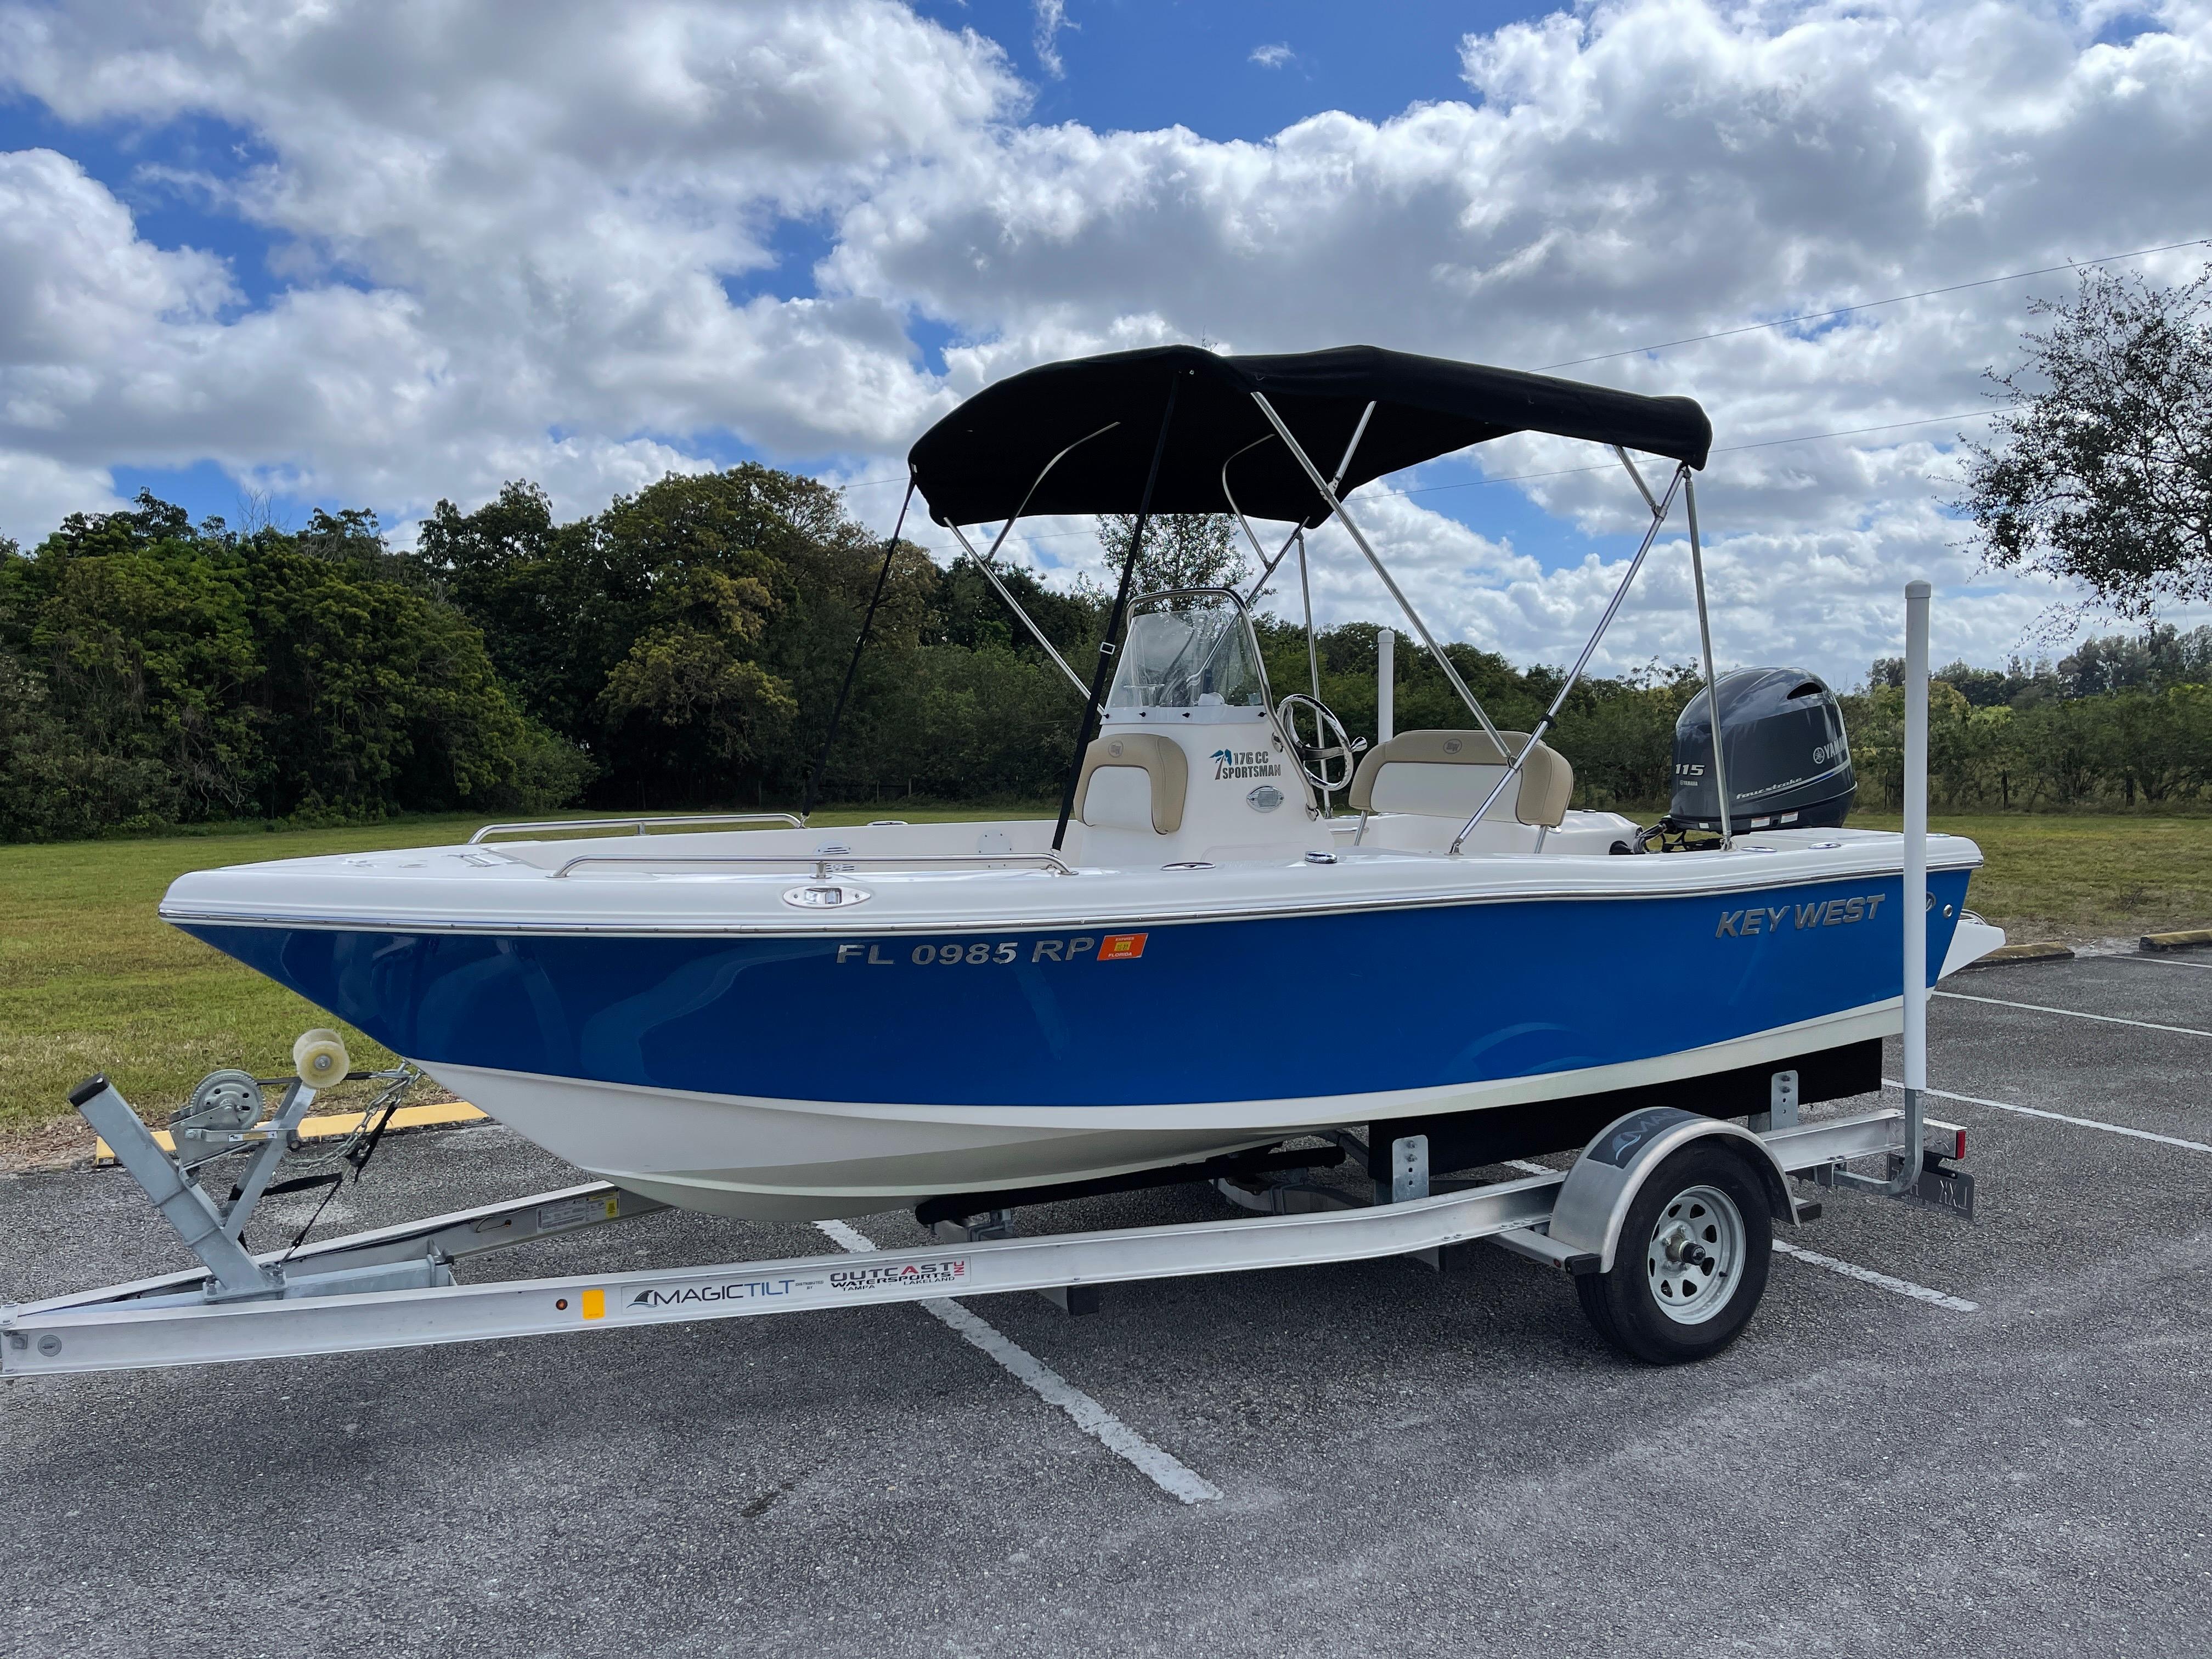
(334, 1180)
(297, 1184)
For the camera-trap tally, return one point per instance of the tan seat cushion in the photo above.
(1446, 773)
(1125, 757)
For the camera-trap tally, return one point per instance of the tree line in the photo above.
(2122, 722)
(685, 648)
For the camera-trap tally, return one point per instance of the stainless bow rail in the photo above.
(640, 825)
(829, 863)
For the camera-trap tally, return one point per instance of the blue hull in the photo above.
(1268, 1008)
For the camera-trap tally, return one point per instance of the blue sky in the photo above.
(1226, 72)
(356, 256)
(1133, 65)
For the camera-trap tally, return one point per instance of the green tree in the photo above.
(2061, 752)
(691, 637)
(1619, 735)
(687, 673)
(376, 698)
(1182, 550)
(158, 672)
(2102, 469)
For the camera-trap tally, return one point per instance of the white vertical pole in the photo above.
(1386, 685)
(1917, 595)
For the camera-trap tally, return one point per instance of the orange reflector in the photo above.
(595, 1304)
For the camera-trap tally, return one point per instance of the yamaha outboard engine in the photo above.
(1789, 759)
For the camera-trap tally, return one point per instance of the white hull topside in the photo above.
(810, 1159)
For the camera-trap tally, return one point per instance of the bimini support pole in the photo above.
(1336, 507)
(859, 643)
(1659, 510)
(1267, 565)
(1313, 662)
(1706, 643)
(1095, 699)
(984, 561)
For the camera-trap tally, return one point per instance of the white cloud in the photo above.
(1639, 172)
(1273, 55)
(541, 240)
(1051, 18)
(36, 492)
(515, 233)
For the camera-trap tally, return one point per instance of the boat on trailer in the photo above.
(1248, 947)
(1236, 933)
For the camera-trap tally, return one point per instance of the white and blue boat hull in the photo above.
(808, 1069)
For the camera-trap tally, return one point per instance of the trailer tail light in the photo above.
(1946, 1140)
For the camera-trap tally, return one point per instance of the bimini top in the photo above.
(979, 463)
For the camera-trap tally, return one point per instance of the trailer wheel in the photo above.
(1691, 1263)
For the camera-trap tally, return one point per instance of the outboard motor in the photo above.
(1789, 758)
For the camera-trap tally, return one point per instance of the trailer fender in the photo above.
(1613, 1169)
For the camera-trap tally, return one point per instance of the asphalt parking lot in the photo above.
(1405, 1463)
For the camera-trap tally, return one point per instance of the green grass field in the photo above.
(2075, 877)
(91, 980)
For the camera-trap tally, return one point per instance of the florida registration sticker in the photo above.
(1121, 947)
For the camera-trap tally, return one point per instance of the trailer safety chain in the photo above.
(357, 1151)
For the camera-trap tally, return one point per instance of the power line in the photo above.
(1854, 431)
(1719, 449)
(1754, 328)
(1868, 305)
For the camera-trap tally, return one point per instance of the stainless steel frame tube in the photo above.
(1705, 644)
(1359, 541)
(1659, 510)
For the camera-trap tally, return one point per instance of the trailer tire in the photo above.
(1661, 1304)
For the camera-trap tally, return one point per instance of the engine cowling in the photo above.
(1789, 757)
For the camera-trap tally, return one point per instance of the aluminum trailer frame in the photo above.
(393, 1288)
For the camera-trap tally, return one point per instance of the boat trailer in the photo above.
(1664, 1222)
(1616, 1220)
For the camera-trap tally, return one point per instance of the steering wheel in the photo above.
(1330, 759)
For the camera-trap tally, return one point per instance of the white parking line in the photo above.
(1884, 1281)
(2061, 1117)
(1172, 1476)
(2159, 962)
(2073, 1013)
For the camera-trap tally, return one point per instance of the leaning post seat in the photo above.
(1133, 780)
(1447, 773)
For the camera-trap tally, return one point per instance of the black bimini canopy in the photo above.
(978, 463)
